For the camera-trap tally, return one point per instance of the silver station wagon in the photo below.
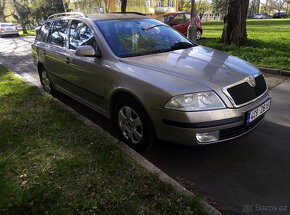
(148, 78)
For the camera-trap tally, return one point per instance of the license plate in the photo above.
(254, 114)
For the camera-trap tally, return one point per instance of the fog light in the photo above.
(207, 137)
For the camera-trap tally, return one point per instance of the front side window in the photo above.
(179, 19)
(129, 38)
(58, 33)
(80, 34)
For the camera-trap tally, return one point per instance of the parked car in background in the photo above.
(261, 16)
(151, 80)
(280, 15)
(180, 22)
(7, 29)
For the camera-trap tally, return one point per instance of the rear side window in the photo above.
(80, 34)
(43, 32)
(179, 19)
(57, 34)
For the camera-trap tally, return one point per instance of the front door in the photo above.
(85, 74)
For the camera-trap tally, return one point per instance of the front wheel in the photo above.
(133, 124)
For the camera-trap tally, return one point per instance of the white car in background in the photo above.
(261, 16)
(8, 29)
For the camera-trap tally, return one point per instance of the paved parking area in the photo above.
(250, 175)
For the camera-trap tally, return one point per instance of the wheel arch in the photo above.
(118, 94)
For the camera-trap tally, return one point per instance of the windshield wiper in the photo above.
(154, 26)
(181, 45)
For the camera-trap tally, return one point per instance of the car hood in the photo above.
(206, 66)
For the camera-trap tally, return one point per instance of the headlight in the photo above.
(195, 102)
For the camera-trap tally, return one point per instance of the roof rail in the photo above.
(67, 14)
(142, 14)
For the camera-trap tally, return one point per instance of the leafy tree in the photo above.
(234, 32)
(5, 7)
(42, 9)
(22, 13)
(220, 6)
(202, 6)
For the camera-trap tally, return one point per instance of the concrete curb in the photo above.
(137, 157)
(275, 71)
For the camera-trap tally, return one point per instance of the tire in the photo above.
(46, 82)
(133, 124)
(198, 34)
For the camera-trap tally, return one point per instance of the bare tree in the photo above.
(235, 32)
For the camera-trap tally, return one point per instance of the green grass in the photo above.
(30, 33)
(268, 45)
(52, 163)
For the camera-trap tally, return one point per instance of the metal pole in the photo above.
(191, 31)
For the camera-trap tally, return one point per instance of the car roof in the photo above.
(118, 16)
(107, 16)
(175, 13)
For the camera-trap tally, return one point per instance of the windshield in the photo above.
(129, 38)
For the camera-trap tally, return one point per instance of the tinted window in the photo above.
(58, 32)
(80, 34)
(43, 32)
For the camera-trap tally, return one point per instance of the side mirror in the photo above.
(87, 51)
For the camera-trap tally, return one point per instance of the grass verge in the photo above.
(268, 44)
(30, 33)
(52, 163)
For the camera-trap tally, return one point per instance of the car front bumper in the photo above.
(182, 127)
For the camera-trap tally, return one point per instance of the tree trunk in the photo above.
(191, 30)
(235, 32)
(24, 28)
(123, 6)
(2, 8)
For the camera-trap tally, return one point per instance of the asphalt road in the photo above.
(250, 175)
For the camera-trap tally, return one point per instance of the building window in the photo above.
(99, 4)
(147, 3)
(170, 3)
(160, 3)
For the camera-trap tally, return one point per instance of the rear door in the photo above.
(56, 53)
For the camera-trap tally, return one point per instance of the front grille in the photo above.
(243, 92)
(236, 131)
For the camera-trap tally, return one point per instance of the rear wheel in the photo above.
(133, 124)
(198, 34)
(45, 82)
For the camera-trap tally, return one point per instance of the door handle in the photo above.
(67, 60)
